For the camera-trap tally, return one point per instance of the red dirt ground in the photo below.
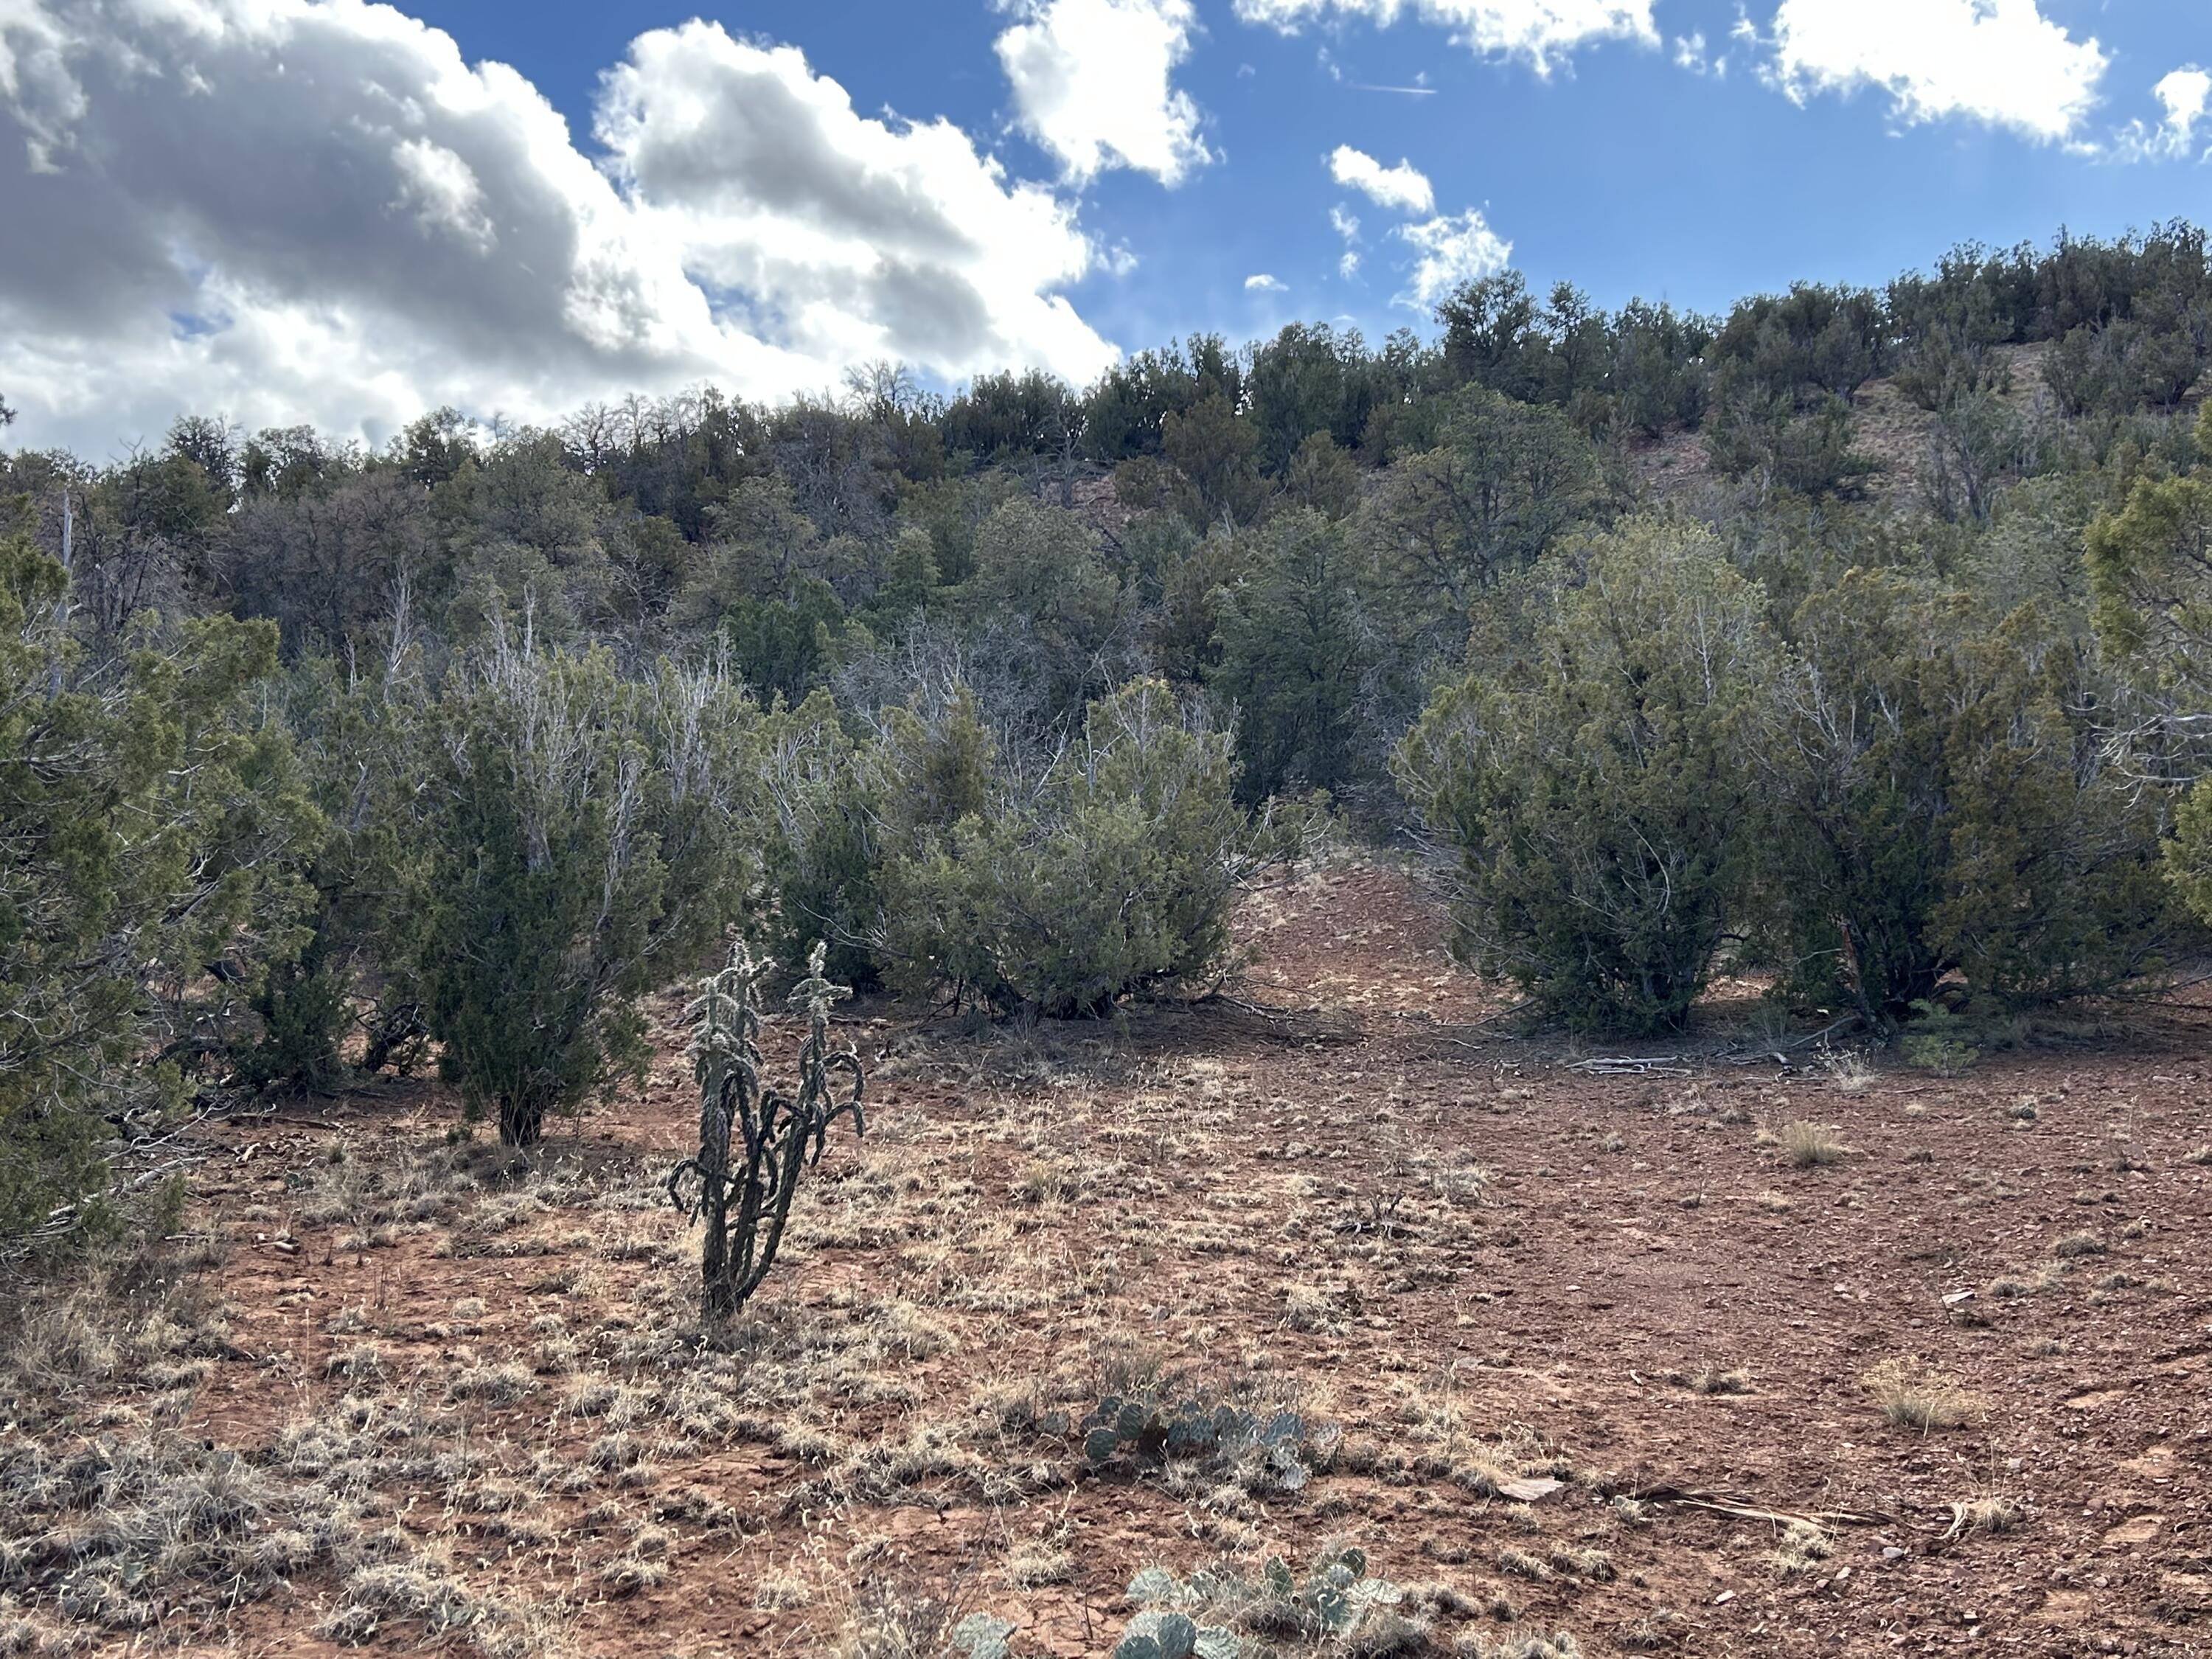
(1441, 1237)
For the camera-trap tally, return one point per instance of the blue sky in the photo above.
(1620, 170)
(316, 210)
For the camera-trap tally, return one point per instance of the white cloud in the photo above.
(1691, 54)
(1346, 225)
(1453, 248)
(1093, 84)
(1260, 282)
(1541, 31)
(443, 190)
(1997, 61)
(286, 211)
(2186, 96)
(1403, 187)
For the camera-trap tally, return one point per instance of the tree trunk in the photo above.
(521, 1122)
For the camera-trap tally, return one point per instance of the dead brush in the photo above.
(1913, 1397)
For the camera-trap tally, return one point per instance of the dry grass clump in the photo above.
(390, 1582)
(84, 1524)
(1849, 1073)
(1803, 1547)
(1811, 1145)
(1521, 1564)
(101, 1331)
(1311, 1307)
(402, 1184)
(1988, 1515)
(1712, 1380)
(1036, 1562)
(492, 1385)
(2079, 1244)
(892, 1620)
(127, 1535)
(362, 1362)
(1518, 1644)
(1914, 1398)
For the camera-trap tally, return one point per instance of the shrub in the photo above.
(1940, 1042)
(151, 816)
(1113, 876)
(1599, 799)
(2148, 575)
(363, 760)
(586, 840)
(1941, 798)
(844, 807)
(1778, 446)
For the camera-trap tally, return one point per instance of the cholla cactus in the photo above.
(753, 1141)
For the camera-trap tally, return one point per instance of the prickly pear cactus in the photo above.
(1276, 1452)
(983, 1636)
(1158, 1635)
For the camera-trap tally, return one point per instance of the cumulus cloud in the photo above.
(2000, 62)
(292, 211)
(2186, 97)
(1453, 248)
(1403, 187)
(1541, 31)
(1093, 82)
(1260, 282)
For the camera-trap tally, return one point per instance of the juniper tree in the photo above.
(1113, 875)
(149, 817)
(1939, 796)
(586, 837)
(1598, 798)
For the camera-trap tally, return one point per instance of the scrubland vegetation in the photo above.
(1821, 689)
